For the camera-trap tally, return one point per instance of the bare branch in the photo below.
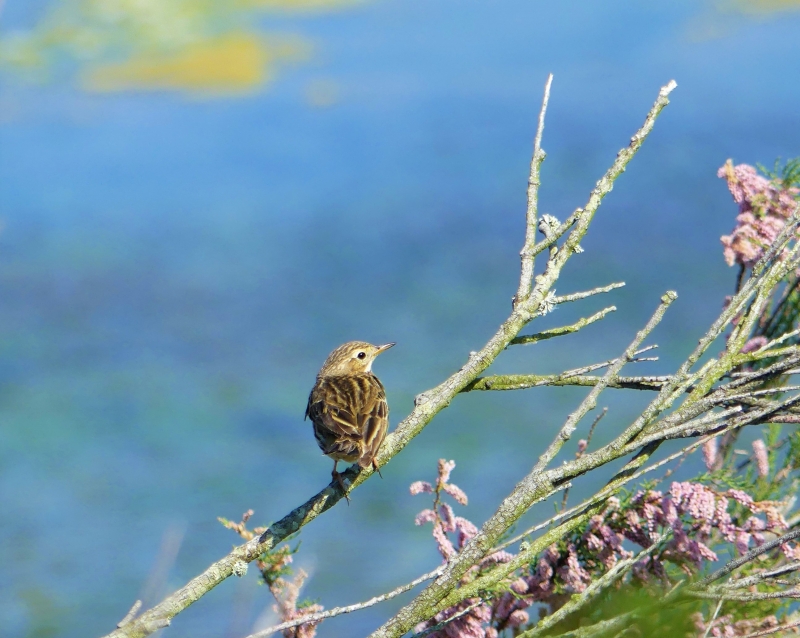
(338, 611)
(590, 402)
(575, 296)
(563, 330)
(526, 255)
(738, 562)
(131, 613)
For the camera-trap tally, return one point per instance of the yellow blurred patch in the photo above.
(236, 63)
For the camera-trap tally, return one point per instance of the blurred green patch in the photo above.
(197, 46)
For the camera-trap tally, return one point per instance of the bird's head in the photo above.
(353, 357)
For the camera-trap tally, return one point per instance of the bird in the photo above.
(347, 407)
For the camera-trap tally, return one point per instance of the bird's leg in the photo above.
(338, 477)
(376, 467)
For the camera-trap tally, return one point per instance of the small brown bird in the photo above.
(348, 408)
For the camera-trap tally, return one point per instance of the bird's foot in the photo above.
(338, 478)
(376, 467)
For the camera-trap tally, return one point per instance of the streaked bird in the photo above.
(348, 408)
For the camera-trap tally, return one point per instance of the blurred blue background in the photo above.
(199, 200)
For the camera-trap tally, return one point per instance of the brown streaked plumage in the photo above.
(348, 408)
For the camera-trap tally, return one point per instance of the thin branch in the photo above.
(131, 613)
(602, 495)
(563, 330)
(738, 562)
(526, 255)
(590, 402)
(575, 296)
(713, 618)
(773, 630)
(745, 598)
(502, 382)
(338, 611)
(762, 576)
(580, 452)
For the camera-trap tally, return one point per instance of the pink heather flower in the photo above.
(491, 632)
(456, 492)
(517, 618)
(445, 467)
(756, 343)
(520, 586)
(764, 206)
(425, 516)
(695, 499)
(762, 459)
(466, 530)
(575, 577)
(448, 517)
(497, 557)
(710, 451)
(742, 541)
(775, 520)
(446, 548)
(418, 487)
(743, 498)
(582, 446)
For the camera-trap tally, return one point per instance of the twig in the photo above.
(131, 613)
(590, 401)
(762, 576)
(503, 382)
(563, 330)
(338, 611)
(526, 255)
(713, 618)
(579, 454)
(575, 296)
(738, 562)
(773, 630)
(745, 598)
(602, 495)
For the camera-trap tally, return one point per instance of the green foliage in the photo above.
(787, 175)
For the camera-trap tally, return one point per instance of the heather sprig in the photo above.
(275, 568)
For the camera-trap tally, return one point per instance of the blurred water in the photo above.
(174, 269)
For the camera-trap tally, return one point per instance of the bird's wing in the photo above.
(333, 404)
(373, 421)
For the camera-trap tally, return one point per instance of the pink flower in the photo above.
(448, 518)
(466, 530)
(762, 458)
(446, 548)
(425, 516)
(418, 487)
(445, 467)
(517, 618)
(756, 343)
(743, 498)
(764, 206)
(456, 492)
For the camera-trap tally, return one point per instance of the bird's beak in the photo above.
(384, 347)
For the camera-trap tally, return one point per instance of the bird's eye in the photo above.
(361, 355)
